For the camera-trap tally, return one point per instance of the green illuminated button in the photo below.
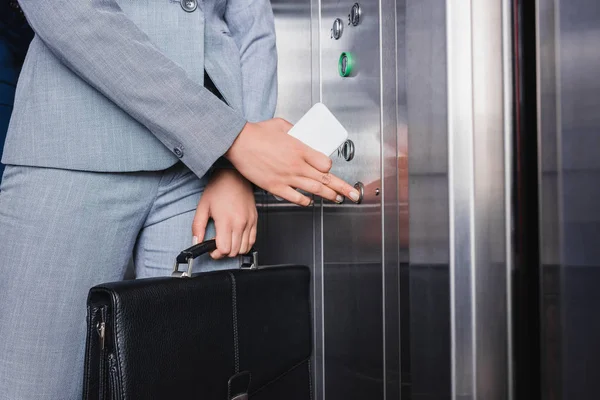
(346, 64)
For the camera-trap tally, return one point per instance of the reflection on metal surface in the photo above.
(352, 248)
(569, 126)
(478, 248)
(382, 319)
(426, 316)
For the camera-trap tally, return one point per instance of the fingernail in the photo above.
(339, 199)
(194, 240)
(354, 195)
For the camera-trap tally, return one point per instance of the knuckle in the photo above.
(326, 179)
(316, 188)
(240, 223)
(223, 246)
(296, 164)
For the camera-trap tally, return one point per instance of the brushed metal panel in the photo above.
(429, 281)
(426, 88)
(477, 132)
(491, 269)
(569, 97)
(393, 135)
(461, 198)
(352, 234)
(293, 29)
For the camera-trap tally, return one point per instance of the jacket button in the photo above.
(178, 152)
(189, 5)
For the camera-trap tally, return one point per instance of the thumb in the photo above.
(199, 225)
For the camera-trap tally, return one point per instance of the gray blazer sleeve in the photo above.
(252, 26)
(97, 41)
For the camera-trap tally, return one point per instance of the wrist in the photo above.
(229, 153)
(228, 174)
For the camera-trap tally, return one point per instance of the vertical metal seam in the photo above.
(397, 205)
(451, 219)
(507, 50)
(381, 172)
(540, 203)
(472, 214)
(321, 211)
(559, 167)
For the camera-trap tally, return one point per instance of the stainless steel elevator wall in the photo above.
(569, 139)
(352, 234)
(410, 288)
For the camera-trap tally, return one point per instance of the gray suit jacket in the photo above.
(117, 85)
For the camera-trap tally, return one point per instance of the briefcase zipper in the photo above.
(101, 331)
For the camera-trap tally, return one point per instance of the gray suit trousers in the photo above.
(64, 231)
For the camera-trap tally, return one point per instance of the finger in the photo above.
(317, 160)
(236, 241)
(199, 224)
(250, 233)
(317, 188)
(223, 239)
(252, 239)
(336, 184)
(245, 247)
(293, 196)
(216, 255)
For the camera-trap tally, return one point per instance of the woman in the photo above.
(116, 147)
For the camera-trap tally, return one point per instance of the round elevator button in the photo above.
(345, 65)
(189, 5)
(338, 29)
(355, 15)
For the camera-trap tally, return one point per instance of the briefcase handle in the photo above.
(187, 256)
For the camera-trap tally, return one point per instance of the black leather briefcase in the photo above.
(221, 335)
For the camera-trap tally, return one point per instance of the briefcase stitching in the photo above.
(236, 344)
(117, 353)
